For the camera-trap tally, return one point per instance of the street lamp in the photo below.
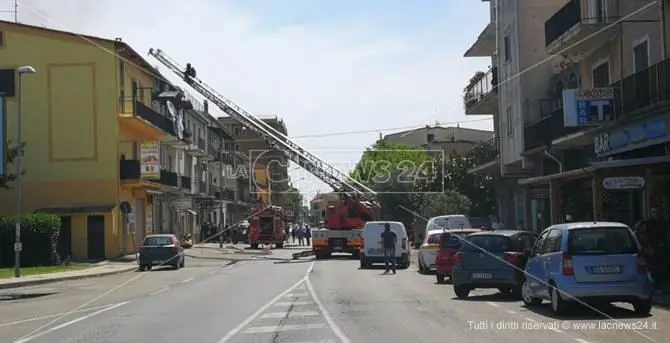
(19, 169)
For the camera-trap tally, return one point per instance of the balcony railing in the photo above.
(213, 189)
(131, 105)
(226, 194)
(485, 152)
(544, 131)
(646, 88)
(186, 182)
(130, 170)
(562, 21)
(487, 84)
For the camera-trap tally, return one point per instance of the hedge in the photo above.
(39, 235)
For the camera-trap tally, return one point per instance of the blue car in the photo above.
(492, 259)
(589, 262)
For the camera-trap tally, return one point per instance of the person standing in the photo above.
(300, 235)
(293, 233)
(308, 235)
(389, 239)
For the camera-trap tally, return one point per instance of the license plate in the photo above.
(482, 276)
(606, 269)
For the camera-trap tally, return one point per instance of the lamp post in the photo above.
(19, 169)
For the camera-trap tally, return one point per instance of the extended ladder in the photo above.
(330, 175)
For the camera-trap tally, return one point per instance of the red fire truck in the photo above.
(266, 226)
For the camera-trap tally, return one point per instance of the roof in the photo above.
(581, 225)
(453, 133)
(435, 232)
(498, 232)
(137, 58)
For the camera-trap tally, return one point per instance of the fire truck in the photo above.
(345, 217)
(266, 227)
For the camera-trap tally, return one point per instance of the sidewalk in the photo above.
(101, 269)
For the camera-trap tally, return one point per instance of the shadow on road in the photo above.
(495, 297)
(580, 312)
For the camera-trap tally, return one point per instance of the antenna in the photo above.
(15, 11)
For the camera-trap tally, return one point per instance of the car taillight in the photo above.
(458, 258)
(567, 265)
(404, 243)
(174, 248)
(511, 258)
(641, 264)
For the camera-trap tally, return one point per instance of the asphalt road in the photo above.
(332, 301)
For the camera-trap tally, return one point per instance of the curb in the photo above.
(34, 282)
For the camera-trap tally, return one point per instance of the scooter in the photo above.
(187, 242)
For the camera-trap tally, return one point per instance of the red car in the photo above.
(450, 242)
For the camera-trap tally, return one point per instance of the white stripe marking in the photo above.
(159, 291)
(492, 304)
(530, 319)
(34, 319)
(580, 340)
(290, 295)
(66, 324)
(511, 312)
(333, 326)
(265, 307)
(188, 280)
(289, 314)
(292, 303)
(265, 329)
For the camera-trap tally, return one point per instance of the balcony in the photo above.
(202, 187)
(214, 150)
(485, 45)
(145, 120)
(129, 170)
(197, 148)
(643, 91)
(571, 30)
(484, 158)
(481, 94)
(226, 194)
(186, 183)
(544, 131)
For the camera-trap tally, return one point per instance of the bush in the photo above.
(39, 235)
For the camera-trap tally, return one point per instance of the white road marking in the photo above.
(511, 312)
(34, 319)
(331, 323)
(188, 280)
(282, 328)
(66, 324)
(291, 295)
(530, 319)
(159, 291)
(319, 341)
(580, 340)
(556, 330)
(493, 304)
(292, 303)
(289, 314)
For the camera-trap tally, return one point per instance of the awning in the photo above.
(575, 173)
(630, 162)
(77, 208)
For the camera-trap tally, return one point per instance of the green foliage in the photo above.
(294, 200)
(7, 181)
(39, 235)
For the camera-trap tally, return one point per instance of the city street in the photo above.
(265, 299)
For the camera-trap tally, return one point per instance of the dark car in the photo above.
(492, 259)
(161, 250)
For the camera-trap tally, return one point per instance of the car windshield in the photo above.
(490, 243)
(434, 239)
(601, 241)
(452, 241)
(158, 240)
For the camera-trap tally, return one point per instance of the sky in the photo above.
(329, 69)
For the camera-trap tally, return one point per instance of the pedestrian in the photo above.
(389, 239)
(293, 234)
(301, 240)
(308, 235)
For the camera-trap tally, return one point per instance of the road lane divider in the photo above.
(159, 291)
(49, 316)
(68, 323)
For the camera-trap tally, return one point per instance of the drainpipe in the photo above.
(560, 164)
(663, 28)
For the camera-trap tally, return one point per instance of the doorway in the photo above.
(95, 237)
(64, 247)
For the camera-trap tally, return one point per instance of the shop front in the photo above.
(632, 175)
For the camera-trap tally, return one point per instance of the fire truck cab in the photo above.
(266, 227)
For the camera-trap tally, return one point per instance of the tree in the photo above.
(7, 180)
(294, 200)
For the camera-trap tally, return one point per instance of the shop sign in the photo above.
(150, 164)
(624, 183)
(583, 107)
(633, 137)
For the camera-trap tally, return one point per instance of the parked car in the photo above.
(161, 250)
(450, 243)
(492, 259)
(373, 251)
(587, 262)
(428, 250)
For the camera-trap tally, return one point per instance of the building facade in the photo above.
(441, 139)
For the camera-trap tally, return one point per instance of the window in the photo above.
(491, 243)
(122, 74)
(158, 241)
(510, 124)
(641, 54)
(430, 137)
(237, 147)
(526, 241)
(507, 46)
(236, 130)
(553, 242)
(539, 244)
(600, 74)
(452, 241)
(135, 89)
(2, 39)
(601, 241)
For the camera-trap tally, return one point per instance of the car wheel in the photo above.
(558, 305)
(149, 267)
(642, 307)
(440, 278)
(183, 263)
(143, 267)
(462, 292)
(527, 295)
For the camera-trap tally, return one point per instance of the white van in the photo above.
(372, 250)
(448, 222)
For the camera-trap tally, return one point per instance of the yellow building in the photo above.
(90, 108)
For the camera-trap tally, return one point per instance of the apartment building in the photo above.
(102, 139)
(441, 139)
(268, 167)
(318, 206)
(608, 135)
(513, 90)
